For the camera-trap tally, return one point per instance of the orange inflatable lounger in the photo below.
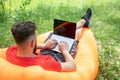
(86, 60)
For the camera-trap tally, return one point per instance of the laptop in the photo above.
(63, 31)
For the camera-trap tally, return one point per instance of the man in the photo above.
(23, 54)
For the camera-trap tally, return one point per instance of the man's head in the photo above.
(24, 32)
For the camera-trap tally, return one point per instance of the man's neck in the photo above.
(25, 53)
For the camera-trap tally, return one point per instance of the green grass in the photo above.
(105, 25)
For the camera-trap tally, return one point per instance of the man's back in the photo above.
(46, 62)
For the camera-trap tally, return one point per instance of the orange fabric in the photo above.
(86, 60)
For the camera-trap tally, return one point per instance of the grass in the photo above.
(105, 25)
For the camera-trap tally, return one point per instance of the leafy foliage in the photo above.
(21, 13)
(105, 25)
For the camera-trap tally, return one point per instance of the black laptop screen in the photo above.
(64, 28)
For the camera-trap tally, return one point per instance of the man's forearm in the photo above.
(67, 56)
(40, 46)
(69, 64)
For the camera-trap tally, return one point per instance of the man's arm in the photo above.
(69, 64)
(47, 45)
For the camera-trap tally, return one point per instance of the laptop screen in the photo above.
(64, 28)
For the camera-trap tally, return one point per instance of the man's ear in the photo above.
(32, 43)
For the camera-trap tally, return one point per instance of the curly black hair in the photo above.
(22, 30)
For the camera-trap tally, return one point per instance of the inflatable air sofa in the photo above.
(86, 60)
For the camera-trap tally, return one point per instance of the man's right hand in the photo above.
(69, 64)
(63, 46)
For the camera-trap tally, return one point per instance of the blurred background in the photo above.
(105, 24)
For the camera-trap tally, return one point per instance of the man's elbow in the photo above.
(73, 68)
(68, 66)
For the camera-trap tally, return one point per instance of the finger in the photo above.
(63, 42)
(66, 43)
(54, 40)
(59, 44)
(54, 45)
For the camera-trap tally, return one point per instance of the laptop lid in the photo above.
(64, 28)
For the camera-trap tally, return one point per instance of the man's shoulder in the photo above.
(11, 49)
